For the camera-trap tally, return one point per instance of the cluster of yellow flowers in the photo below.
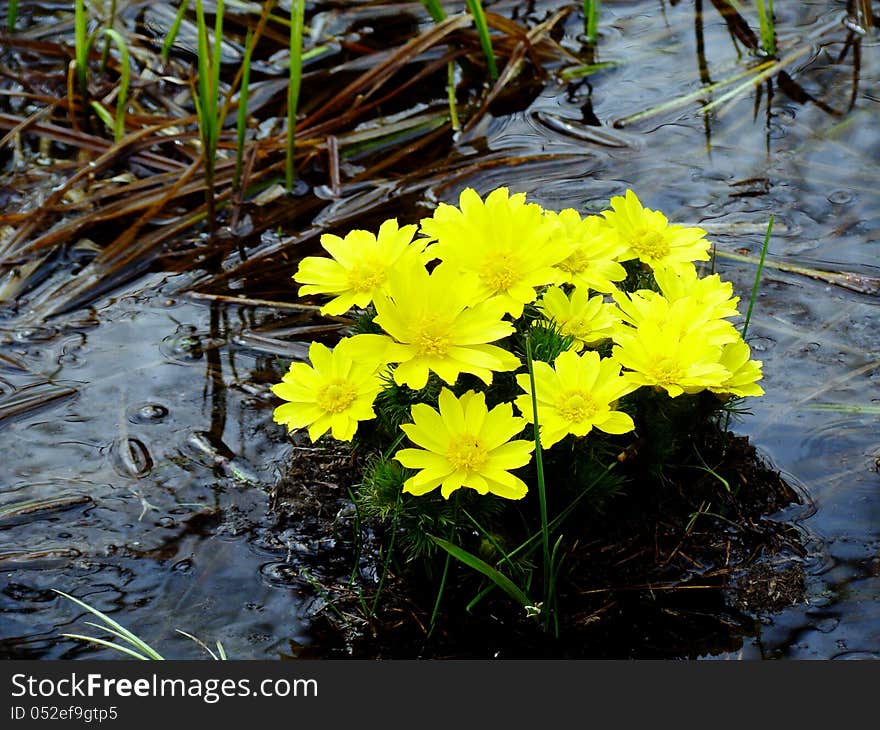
(445, 291)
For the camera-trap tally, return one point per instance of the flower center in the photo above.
(431, 337)
(465, 452)
(336, 396)
(577, 327)
(667, 370)
(649, 244)
(575, 263)
(367, 275)
(500, 272)
(576, 406)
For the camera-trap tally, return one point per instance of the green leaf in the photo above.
(472, 561)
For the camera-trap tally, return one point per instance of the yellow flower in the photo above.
(593, 248)
(743, 372)
(505, 241)
(574, 396)
(432, 327)
(676, 319)
(358, 271)
(669, 360)
(651, 238)
(713, 296)
(463, 444)
(587, 319)
(333, 393)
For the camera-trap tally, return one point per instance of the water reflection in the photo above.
(116, 520)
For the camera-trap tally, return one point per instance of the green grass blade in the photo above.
(103, 115)
(709, 470)
(123, 632)
(450, 93)
(81, 46)
(435, 10)
(752, 298)
(492, 541)
(436, 611)
(757, 282)
(556, 561)
(843, 408)
(765, 21)
(114, 632)
(198, 641)
(685, 99)
(111, 21)
(527, 545)
(203, 103)
(122, 96)
(324, 595)
(437, 13)
(207, 101)
(481, 566)
(542, 489)
(760, 78)
(216, 62)
(591, 20)
(386, 564)
(476, 8)
(573, 73)
(297, 17)
(479, 597)
(12, 16)
(173, 31)
(109, 645)
(241, 119)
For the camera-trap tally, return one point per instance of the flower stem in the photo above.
(542, 491)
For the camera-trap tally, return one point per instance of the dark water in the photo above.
(156, 441)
